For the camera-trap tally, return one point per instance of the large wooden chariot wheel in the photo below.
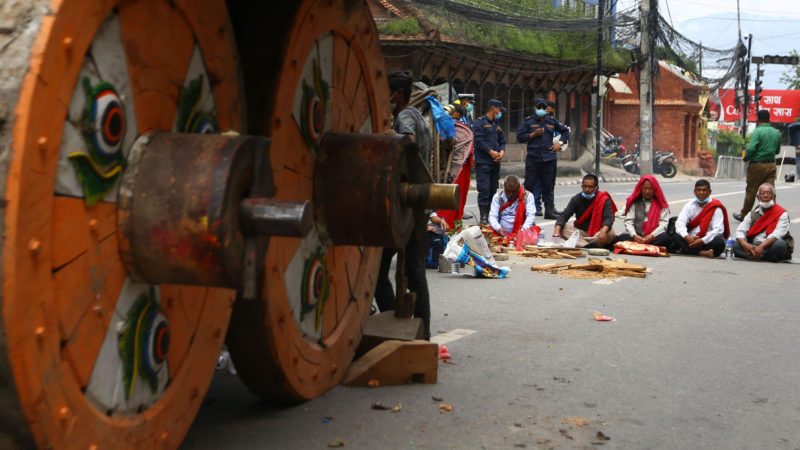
(185, 173)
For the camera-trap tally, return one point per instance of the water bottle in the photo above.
(729, 248)
(540, 240)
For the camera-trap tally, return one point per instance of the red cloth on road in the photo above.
(658, 203)
(595, 212)
(703, 218)
(766, 222)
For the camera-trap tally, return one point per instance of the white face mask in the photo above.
(767, 205)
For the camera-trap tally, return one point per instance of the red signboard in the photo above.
(783, 105)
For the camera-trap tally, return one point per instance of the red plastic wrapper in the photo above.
(601, 318)
(527, 237)
(443, 353)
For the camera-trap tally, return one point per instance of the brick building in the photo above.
(678, 104)
(514, 77)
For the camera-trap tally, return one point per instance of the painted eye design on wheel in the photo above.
(144, 343)
(315, 289)
(313, 108)
(103, 129)
(190, 120)
(108, 120)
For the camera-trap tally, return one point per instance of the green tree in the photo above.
(792, 77)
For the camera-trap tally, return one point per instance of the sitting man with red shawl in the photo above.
(763, 233)
(702, 225)
(512, 209)
(594, 210)
(646, 214)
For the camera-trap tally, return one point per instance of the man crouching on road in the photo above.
(763, 233)
(594, 210)
(702, 225)
(512, 209)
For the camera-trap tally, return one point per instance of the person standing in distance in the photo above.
(765, 143)
(490, 146)
(540, 163)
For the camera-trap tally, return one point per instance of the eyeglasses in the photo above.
(541, 107)
(588, 186)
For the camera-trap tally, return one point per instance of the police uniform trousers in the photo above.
(487, 177)
(540, 179)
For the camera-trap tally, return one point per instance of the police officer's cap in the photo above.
(498, 103)
(540, 102)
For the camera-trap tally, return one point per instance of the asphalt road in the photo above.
(703, 354)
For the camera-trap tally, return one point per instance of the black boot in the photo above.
(551, 213)
(539, 211)
(484, 214)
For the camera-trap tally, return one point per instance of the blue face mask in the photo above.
(499, 115)
(541, 112)
(469, 108)
(588, 196)
(702, 202)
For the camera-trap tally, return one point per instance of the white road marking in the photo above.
(608, 280)
(451, 336)
(796, 220)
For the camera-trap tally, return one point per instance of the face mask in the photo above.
(767, 205)
(702, 202)
(588, 196)
(499, 115)
(469, 108)
(541, 112)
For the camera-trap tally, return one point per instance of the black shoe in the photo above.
(552, 215)
(738, 217)
(539, 213)
(484, 214)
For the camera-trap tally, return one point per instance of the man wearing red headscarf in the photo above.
(702, 225)
(646, 214)
(594, 210)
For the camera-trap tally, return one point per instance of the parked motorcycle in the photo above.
(613, 148)
(663, 163)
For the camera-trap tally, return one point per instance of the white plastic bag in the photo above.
(573, 240)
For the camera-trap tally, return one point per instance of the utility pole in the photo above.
(645, 93)
(746, 85)
(599, 109)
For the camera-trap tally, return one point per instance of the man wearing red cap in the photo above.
(594, 210)
(764, 232)
(646, 214)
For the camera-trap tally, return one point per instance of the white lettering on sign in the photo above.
(771, 100)
(731, 110)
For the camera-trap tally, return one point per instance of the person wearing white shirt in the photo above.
(503, 216)
(764, 232)
(702, 225)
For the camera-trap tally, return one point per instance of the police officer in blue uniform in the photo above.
(540, 163)
(490, 146)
